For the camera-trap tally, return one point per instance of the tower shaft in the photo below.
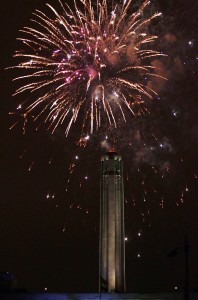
(112, 243)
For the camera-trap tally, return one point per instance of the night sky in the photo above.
(50, 187)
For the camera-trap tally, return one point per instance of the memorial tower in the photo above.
(112, 237)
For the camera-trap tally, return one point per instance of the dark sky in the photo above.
(49, 237)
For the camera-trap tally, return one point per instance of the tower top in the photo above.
(111, 154)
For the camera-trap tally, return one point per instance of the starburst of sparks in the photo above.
(90, 60)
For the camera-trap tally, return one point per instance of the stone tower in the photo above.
(112, 238)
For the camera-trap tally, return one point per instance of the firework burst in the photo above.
(87, 60)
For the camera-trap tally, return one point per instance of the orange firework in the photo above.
(93, 60)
